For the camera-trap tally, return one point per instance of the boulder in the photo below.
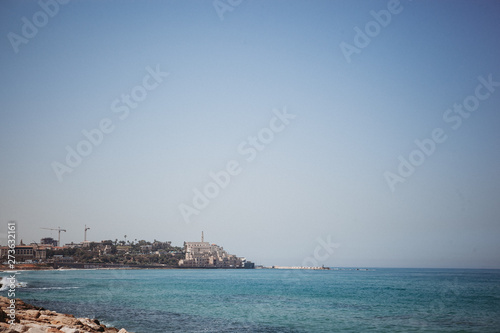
(70, 330)
(17, 328)
(47, 313)
(64, 320)
(90, 324)
(35, 319)
(35, 328)
(31, 314)
(44, 317)
(3, 317)
(53, 330)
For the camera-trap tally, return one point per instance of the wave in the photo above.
(6, 282)
(53, 288)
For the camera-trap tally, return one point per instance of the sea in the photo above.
(273, 300)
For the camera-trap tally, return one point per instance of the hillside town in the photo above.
(205, 255)
(48, 253)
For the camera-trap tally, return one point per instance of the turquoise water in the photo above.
(379, 300)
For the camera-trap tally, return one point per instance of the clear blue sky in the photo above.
(322, 176)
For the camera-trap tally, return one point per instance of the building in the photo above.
(49, 241)
(104, 249)
(73, 245)
(40, 252)
(61, 258)
(25, 253)
(4, 251)
(205, 255)
(123, 248)
(146, 249)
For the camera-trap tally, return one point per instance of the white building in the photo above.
(205, 255)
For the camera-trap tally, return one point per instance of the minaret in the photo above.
(202, 236)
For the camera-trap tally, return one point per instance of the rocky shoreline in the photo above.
(34, 319)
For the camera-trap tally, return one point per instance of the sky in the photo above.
(336, 133)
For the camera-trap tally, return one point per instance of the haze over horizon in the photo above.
(274, 127)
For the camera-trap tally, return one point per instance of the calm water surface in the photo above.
(378, 300)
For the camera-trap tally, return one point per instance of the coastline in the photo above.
(30, 318)
(87, 266)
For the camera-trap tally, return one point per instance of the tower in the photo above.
(85, 235)
(202, 236)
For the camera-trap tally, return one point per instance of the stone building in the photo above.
(205, 255)
(24, 252)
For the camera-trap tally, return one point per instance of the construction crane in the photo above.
(59, 230)
(85, 236)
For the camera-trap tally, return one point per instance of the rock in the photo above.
(32, 314)
(53, 330)
(3, 317)
(44, 317)
(8, 330)
(35, 328)
(65, 320)
(46, 313)
(17, 328)
(70, 330)
(90, 324)
(35, 319)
